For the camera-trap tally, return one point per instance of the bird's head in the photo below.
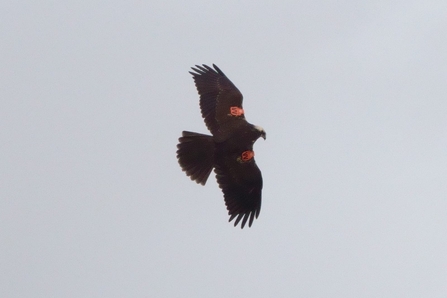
(261, 130)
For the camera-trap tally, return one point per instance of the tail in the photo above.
(195, 155)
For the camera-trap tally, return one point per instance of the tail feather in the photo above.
(195, 155)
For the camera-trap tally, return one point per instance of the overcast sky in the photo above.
(94, 95)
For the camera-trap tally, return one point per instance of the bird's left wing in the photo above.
(220, 100)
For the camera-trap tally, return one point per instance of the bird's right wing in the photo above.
(241, 184)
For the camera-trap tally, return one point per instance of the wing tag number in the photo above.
(247, 155)
(236, 111)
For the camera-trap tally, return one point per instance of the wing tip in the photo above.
(245, 217)
(219, 71)
(204, 69)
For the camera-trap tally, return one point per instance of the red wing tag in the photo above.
(247, 155)
(236, 111)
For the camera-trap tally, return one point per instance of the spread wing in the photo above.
(220, 100)
(241, 184)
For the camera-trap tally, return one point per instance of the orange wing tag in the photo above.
(236, 111)
(247, 155)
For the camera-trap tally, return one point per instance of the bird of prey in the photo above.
(230, 148)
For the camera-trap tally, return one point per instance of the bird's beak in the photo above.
(264, 135)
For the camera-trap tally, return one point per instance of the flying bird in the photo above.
(229, 150)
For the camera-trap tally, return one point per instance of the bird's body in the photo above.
(230, 148)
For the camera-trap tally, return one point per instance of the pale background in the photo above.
(352, 94)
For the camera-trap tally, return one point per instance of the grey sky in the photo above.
(94, 95)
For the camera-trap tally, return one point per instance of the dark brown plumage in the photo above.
(230, 148)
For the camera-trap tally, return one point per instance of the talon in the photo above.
(236, 111)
